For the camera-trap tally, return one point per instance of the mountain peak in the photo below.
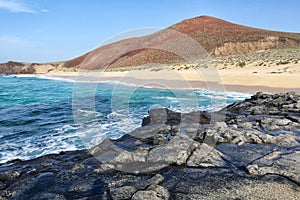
(206, 18)
(201, 23)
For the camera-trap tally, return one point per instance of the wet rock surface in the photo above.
(243, 151)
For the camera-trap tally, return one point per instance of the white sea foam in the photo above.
(26, 149)
(57, 78)
(48, 77)
(122, 83)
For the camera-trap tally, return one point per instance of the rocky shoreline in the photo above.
(248, 150)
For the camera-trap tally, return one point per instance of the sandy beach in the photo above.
(248, 79)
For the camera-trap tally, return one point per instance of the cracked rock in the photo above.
(285, 164)
(205, 156)
(153, 192)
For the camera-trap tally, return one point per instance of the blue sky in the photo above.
(54, 30)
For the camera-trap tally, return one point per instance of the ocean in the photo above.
(37, 114)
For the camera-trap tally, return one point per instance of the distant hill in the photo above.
(16, 68)
(216, 36)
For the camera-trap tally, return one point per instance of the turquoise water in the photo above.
(36, 114)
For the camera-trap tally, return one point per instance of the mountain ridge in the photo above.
(218, 37)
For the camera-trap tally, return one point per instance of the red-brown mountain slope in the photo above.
(216, 36)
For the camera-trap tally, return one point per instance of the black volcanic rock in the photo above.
(247, 150)
(283, 163)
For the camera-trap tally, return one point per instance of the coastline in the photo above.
(270, 71)
(235, 80)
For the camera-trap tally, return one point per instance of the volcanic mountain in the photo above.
(215, 36)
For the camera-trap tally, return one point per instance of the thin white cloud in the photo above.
(44, 10)
(13, 41)
(18, 48)
(17, 7)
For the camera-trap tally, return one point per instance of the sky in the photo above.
(57, 30)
